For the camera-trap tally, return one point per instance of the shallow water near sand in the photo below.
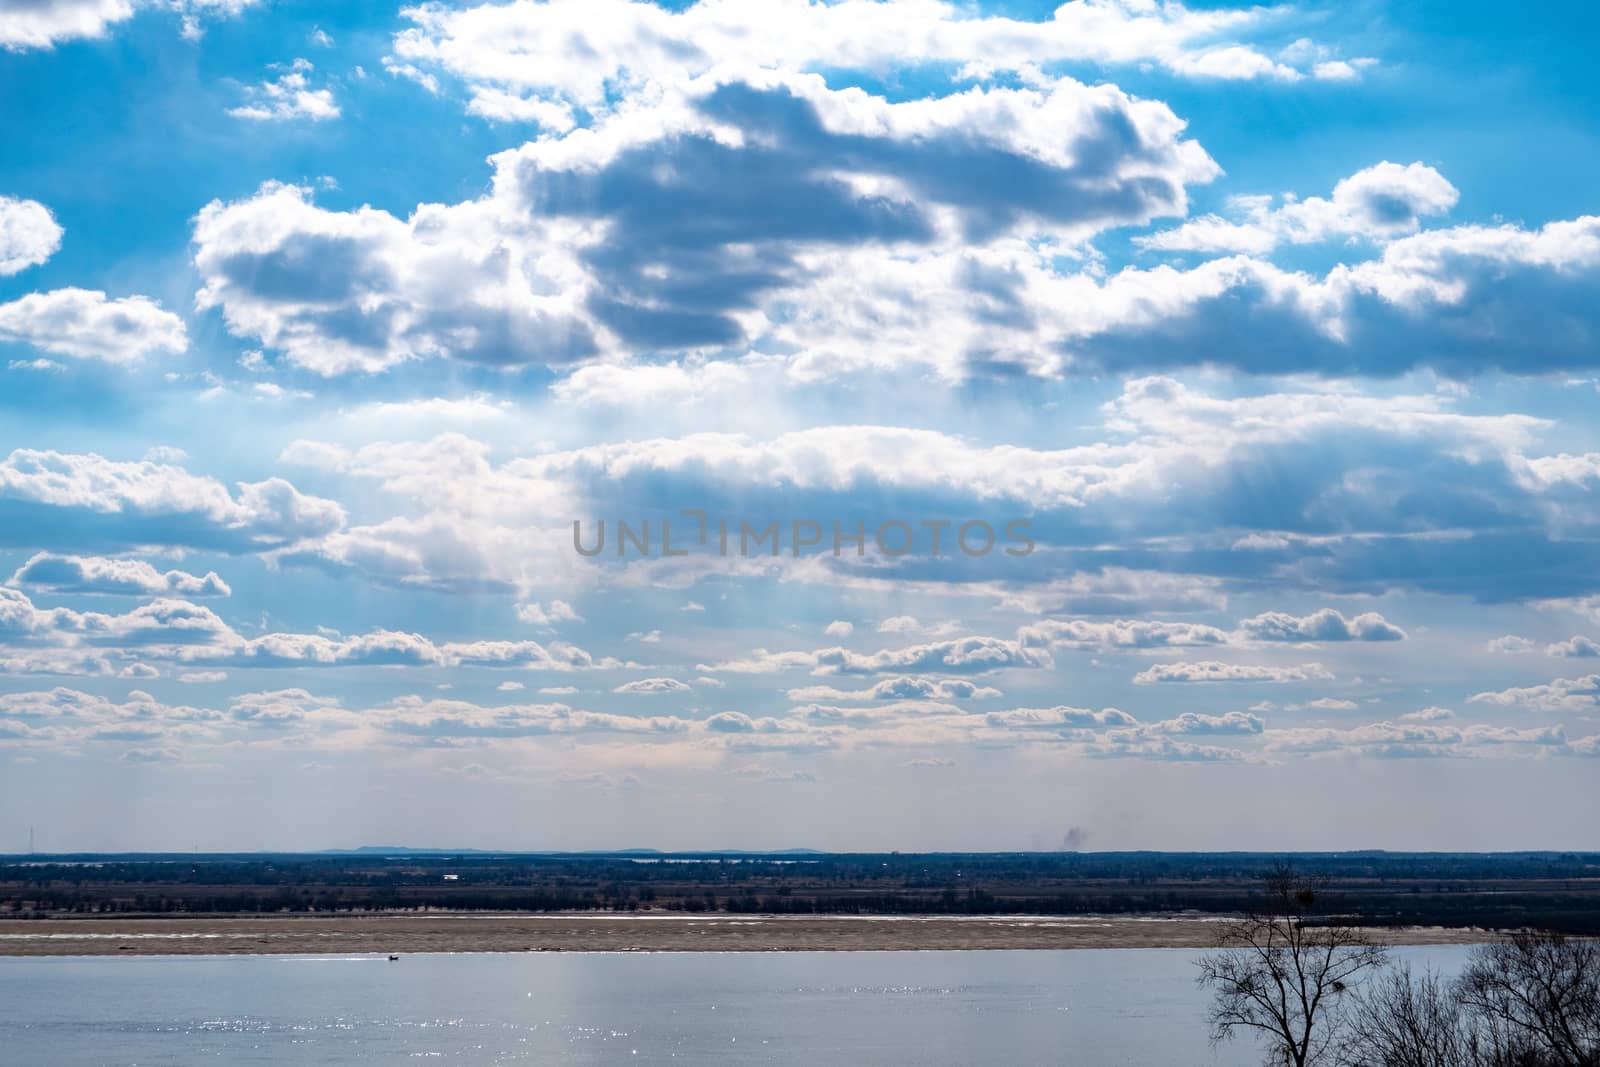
(1089, 1007)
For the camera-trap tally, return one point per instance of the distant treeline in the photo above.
(1558, 891)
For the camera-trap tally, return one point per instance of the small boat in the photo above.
(393, 957)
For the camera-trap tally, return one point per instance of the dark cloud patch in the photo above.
(1462, 302)
(701, 229)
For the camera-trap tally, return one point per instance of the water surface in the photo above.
(1089, 1007)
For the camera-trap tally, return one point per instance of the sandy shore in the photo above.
(660, 932)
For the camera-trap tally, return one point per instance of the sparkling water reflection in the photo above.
(1088, 1007)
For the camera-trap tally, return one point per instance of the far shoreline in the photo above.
(654, 931)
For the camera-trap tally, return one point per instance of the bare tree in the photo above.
(1402, 1021)
(1535, 1001)
(1280, 978)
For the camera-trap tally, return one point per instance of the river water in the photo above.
(1086, 1007)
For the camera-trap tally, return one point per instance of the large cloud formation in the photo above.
(86, 501)
(705, 182)
(553, 61)
(676, 226)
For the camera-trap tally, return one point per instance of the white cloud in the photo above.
(1434, 714)
(1448, 298)
(363, 290)
(1577, 647)
(654, 686)
(965, 655)
(1059, 716)
(1324, 704)
(86, 324)
(1381, 202)
(29, 234)
(1417, 738)
(44, 23)
(904, 688)
(116, 577)
(1562, 694)
(653, 385)
(556, 264)
(1324, 625)
(540, 62)
(1510, 644)
(288, 96)
(472, 522)
(839, 628)
(1119, 634)
(558, 611)
(108, 502)
(1213, 671)
(1192, 724)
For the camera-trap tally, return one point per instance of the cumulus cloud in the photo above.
(1433, 714)
(1382, 201)
(558, 611)
(363, 290)
(86, 324)
(1170, 483)
(91, 502)
(1121, 634)
(1136, 744)
(1324, 625)
(546, 62)
(1416, 739)
(114, 577)
(46, 23)
(674, 226)
(68, 718)
(29, 234)
(966, 655)
(691, 194)
(652, 686)
(1325, 704)
(288, 96)
(1562, 694)
(1577, 647)
(651, 385)
(1463, 300)
(1190, 723)
(1062, 715)
(195, 636)
(905, 688)
(1213, 671)
(683, 214)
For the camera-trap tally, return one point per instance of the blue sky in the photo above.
(320, 326)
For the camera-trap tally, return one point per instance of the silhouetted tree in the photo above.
(1282, 979)
(1402, 1021)
(1534, 1000)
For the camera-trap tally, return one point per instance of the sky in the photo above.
(1135, 425)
